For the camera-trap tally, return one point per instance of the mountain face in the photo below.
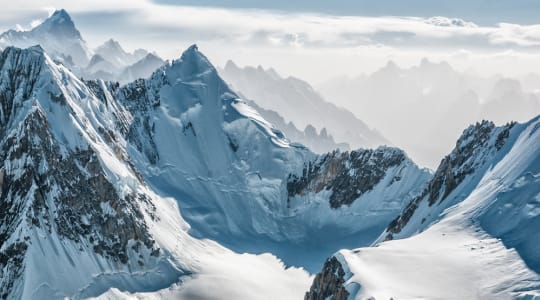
(233, 172)
(61, 195)
(288, 96)
(78, 218)
(94, 174)
(478, 216)
(57, 35)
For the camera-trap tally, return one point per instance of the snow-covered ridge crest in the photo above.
(479, 147)
(478, 217)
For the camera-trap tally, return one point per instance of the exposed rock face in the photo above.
(347, 174)
(470, 152)
(65, 192)
(329, 283)
(133, 120)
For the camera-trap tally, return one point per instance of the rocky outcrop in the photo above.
(65, 192)
(347, 174)
(329, 283)
(472, 147)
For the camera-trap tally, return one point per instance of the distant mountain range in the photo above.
(297, 102)
(424, 108)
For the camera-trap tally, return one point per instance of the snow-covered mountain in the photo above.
(472, 233)
(234, 172)
(141, 69)
(152, 189)
(111, 62)
(113, 52)
(99, 67)
(289, 96)
(57, 35)
(78, 218)
(61, 39)
(94, 176)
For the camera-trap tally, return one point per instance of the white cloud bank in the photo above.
(297, 43)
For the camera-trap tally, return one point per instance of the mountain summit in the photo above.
(57, 35)
(60, 25)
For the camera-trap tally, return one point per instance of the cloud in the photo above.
(449, 22)
(316, 30)
(307, 45)
(282, 29)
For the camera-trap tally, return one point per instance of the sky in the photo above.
(313, 40)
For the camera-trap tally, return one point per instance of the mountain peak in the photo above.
(59, 24)
(60, 15)
(391, 65)
(192, 52)
(230, 65)
(113, 43)
(194, 61)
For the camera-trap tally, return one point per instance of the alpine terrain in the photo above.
(474, 228)
(93, 174)
(125, 176)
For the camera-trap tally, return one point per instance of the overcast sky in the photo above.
(315, 40)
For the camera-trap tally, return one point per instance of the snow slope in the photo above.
(77, 218)
(193, 139)
(478, 239)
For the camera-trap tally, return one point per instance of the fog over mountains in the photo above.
(127, 176)
(427, 105)
(298, 103)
